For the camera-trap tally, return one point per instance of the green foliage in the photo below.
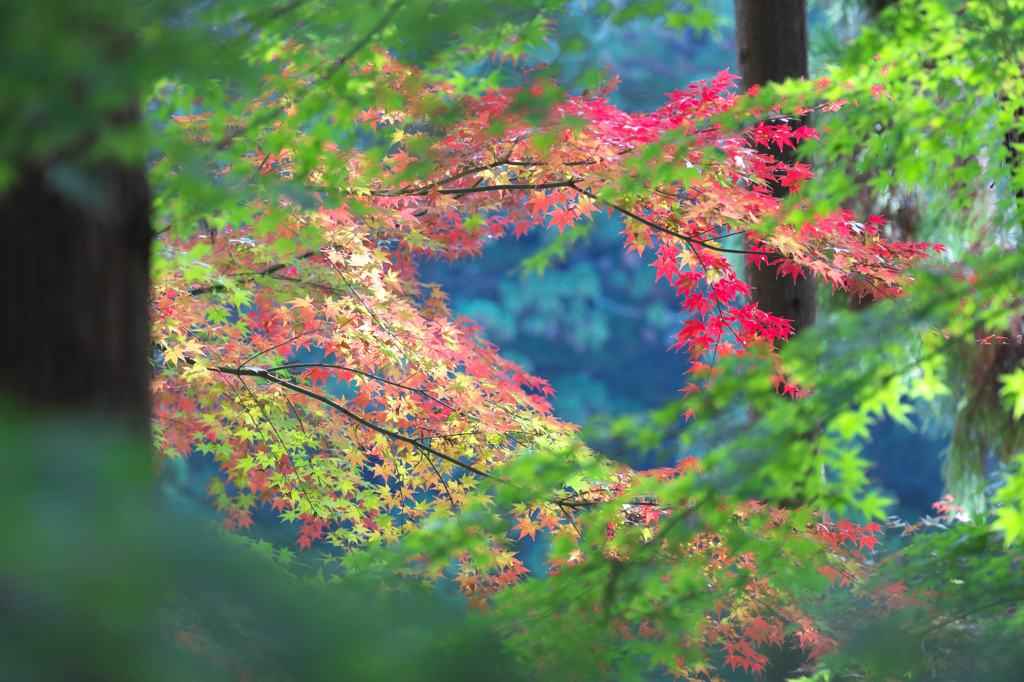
(96, 585)
(969, 629)
(937, 85)
(933, 146)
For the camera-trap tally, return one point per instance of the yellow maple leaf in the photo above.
(786, 243)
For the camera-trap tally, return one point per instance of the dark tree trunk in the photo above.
(771, 46)
(771, 40)
(876, 7)
(74, 269)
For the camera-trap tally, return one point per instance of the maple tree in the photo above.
(302, 352)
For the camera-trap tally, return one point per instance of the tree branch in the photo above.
(260, 373)
(267, 271)
(655, 226)
(423, 191)
(368, 375)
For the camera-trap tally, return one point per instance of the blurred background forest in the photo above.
(589, 317)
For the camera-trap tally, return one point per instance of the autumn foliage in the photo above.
(328, 382)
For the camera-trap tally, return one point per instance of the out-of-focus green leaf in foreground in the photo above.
(96, 585)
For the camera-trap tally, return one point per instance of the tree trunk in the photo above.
(74, 269)
(771, 46)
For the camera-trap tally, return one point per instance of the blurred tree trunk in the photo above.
(876, 7)
(771, 46)
(75, 218)
(74, 270)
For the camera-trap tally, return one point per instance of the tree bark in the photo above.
(771, 46)
(771, 40)
(74, 269)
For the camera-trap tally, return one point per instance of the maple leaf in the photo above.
(526, 526)
(666, 263)
(584, 207)
(539, 202)
(647, 631)
(563, 218)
